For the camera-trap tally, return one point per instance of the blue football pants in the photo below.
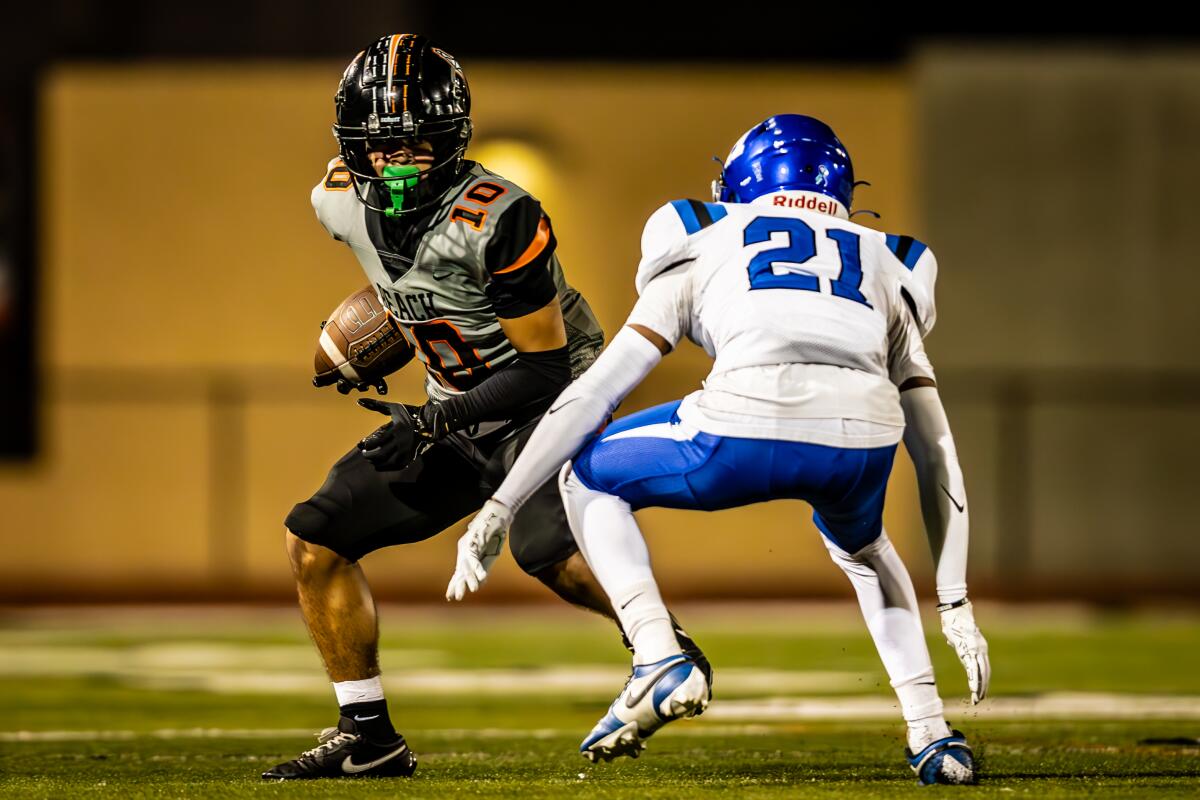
(650, 459)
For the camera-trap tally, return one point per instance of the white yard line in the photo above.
(1053, 705)
(575, 681)
(264, 669)
(1098, 706)
(451, 734)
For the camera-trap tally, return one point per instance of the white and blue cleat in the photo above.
(655, 694)
(946, 761)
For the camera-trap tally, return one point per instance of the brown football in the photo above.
(360, 342)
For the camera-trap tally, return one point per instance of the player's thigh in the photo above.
(540, 536)
(359, 509)
(649, 458)
(849, 511)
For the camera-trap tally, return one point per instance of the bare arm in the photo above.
(537, 332)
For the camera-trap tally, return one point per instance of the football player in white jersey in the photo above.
(815, 324)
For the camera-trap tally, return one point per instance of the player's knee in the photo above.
(312, 562)
(875, 550)
(565, 576)
(553, 576)
(575, 496)
(542, 557)
(315, 523)
(853, 564)
(573, 581)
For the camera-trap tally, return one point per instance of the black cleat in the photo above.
(343, 752)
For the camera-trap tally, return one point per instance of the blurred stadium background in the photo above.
(162, 277)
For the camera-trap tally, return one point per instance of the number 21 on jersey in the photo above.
(801, 247)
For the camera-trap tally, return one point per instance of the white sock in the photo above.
(613, 546)
(363, 691)
(924, 732)
(889, 606)
(919, 699)
(646, 622)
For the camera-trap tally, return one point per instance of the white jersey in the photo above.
(813, 321)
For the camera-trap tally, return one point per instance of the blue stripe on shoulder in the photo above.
(716, 211)
(697, 216)
(684, 209)
(906, 248)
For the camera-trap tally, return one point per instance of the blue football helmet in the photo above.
(787, 151)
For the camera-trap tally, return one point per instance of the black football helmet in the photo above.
(403, 88)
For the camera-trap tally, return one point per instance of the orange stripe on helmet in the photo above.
(540, 240)
(407, 72)
(392, 68)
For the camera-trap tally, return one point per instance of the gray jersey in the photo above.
(465, 265)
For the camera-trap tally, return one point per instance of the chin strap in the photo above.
(874, 214)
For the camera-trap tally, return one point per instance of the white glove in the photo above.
(958, 625)
(478, 549)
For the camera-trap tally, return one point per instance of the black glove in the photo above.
(345, 386)
(435, 419)
(397, 444)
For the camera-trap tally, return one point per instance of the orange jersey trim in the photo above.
(540, 240)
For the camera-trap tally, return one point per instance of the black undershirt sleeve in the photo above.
(521, 390)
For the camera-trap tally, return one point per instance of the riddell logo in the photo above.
(807, 201)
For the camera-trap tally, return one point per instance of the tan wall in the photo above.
(1060, 190)
(178, 240)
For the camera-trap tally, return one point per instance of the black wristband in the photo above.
(955, 604)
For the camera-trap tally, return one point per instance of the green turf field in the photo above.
(194, 702)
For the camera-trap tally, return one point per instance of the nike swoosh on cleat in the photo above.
(350, 768)
(633, 699)
(630, 600)
(364, 719)
(952, 500)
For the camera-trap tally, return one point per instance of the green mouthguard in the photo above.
(400, 189)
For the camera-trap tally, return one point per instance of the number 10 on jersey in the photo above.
(802, 246)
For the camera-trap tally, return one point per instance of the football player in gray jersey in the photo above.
(465, 261)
